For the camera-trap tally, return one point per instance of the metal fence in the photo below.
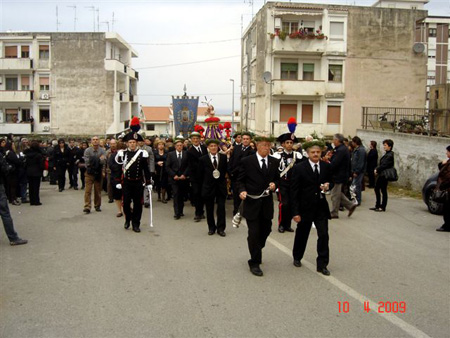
(421, 121)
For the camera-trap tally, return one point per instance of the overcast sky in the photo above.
(165, 33)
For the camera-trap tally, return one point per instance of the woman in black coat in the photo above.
(11, 180)
(161, 177)
(386, 162)
(34, 168)
(372, 161)
(62, 158)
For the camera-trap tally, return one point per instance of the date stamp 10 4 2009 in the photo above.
(383, 307)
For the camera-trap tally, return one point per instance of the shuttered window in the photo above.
(287, 111)
(289, 71)
(10, 52)
(308, 72)
(334, 115)
(307, 113)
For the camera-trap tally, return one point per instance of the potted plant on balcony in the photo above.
(320, 35)
(282, 35)
(294, 35)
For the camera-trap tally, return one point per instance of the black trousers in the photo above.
(236, 199)
(133, 191)
(34, 184)
(82, 174)
(197, 198)
(284, 208)
(446, 224)
(179, 189)
(381, 186)
(371, 176)
(61, 174)
(302, 234)
(258, 231)
(209, 202)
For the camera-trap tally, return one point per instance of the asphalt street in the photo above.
(86, 276)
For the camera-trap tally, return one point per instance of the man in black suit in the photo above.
(194, 153)
(310, 180)
(178, 172)
(258, 178)
(212, 171)
(239, 152)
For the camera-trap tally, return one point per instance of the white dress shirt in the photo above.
(260, 162)
(312, 164)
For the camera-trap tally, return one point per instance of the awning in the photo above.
(298, 13)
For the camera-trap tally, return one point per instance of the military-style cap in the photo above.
(286, 137)
(133, 136)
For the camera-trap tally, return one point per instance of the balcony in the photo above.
(298, 88)
(16, 96)
(115, 65)
(15, 128)
(123, 97)
(134, 98)
(15, 65)
(299, 46)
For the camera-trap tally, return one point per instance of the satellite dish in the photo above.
(418, 48)
(267, 76)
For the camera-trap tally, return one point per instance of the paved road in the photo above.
(85, 276)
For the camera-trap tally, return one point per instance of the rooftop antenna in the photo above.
(57, 20)
(251, 4)
(74, 17)
(107, 23)
(92, 8)
(98, 19)
(185, 90)
(112, 22)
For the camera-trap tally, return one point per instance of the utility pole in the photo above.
(107, 23)
(57, 20)
(232, 106)
(98, 19)
(112, 22)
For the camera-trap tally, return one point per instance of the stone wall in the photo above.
(416, 156)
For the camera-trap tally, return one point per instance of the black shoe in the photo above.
(373, 208)
(75, 188)
(127, 224)
(380, 210)
(18, 241)
(177, 216)
(197, 219)
(324, 271)
(256, 271)
(86, 210)
(297, 263)
(111, 201)
(202, 217)
(136, 229)
(280, 229)
(442, 229)
(70, 187)
(289, 230)
(98, 209)
(352, 210)
(147, 205)
(181, 215)
(211, 233)
(222, 233)
(60, 190)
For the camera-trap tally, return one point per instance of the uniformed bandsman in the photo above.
(136, 173)
(288, 158)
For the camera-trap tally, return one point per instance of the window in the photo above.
(308, 27)
(335, 73)
(287, 111)
(11, 115)
(150, 127)
(289, 71)
(44, 115)
(44, 83)
(25, 52)
(12, 83)
(307, 113)
(432, 53)
(290, 27)
(25, 82)
(432, 32)
(337, 30)
(308, 72)
(334, 115)
(44, 52)
(26, 114)
(10, 52)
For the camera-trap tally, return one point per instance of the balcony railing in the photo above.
(420, 121)
(15, 64)
(298, 87)
(16, 95)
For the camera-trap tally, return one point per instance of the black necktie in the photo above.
(199, 149)
(214, 162)
(316, 171)
(264, 167)
(179, 159)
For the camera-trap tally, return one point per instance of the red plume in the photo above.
(134, 121)
(227, 125)
(220, 127)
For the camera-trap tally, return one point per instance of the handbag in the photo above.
(439, 196)
(391, 174)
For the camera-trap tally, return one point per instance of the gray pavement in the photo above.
(85, 276)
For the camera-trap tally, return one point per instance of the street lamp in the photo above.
(232, 106)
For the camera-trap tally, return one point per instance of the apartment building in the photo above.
(322, 63)
(70, 83)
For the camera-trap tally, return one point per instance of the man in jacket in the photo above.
(340, 162)
(257, 180)
(194, 153)
(151, 167)
(358, 166)
(177, 168)
(310, 180)
(95, 160)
